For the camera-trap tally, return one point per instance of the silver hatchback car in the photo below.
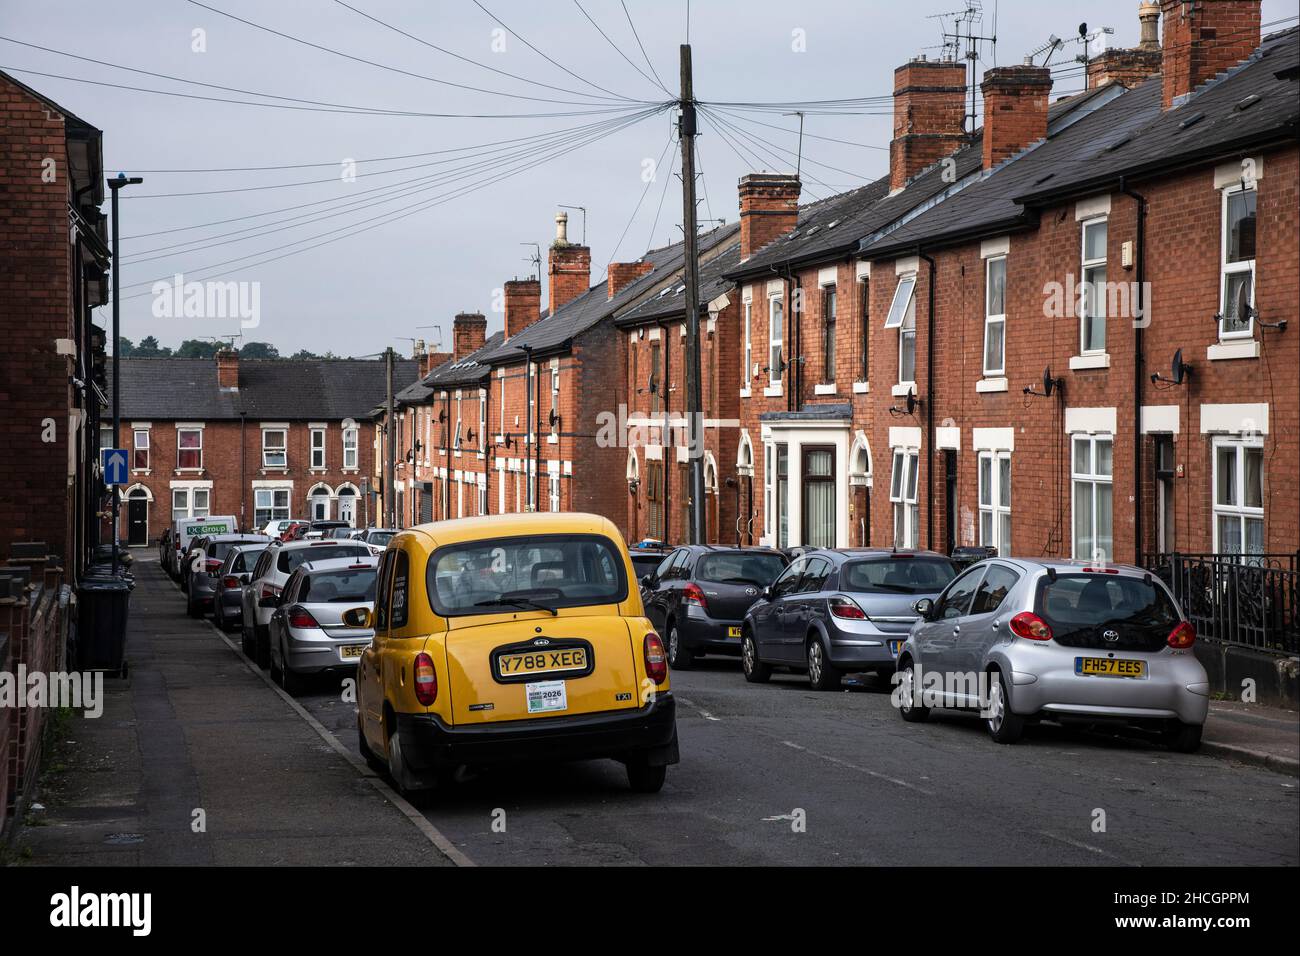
(308, 634)
(1022, 640)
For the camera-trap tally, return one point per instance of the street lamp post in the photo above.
(114, 185)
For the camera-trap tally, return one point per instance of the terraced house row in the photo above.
(1072, 333)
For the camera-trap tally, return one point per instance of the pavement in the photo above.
(197, 759)
(773, 774)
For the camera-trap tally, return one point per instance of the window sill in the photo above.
(902, 388)
(825, 389)
(991, 385)
(1089, 361)
(773, 391)
(1233, 349)
(552, 439)
(861, 388)
(745, 393)
(141, 471)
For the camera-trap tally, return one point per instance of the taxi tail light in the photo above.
(656, 661)
(1183, 636)
(426, 680)
(301, 617)
(1031, 627)
(847, 608)
(694, 594)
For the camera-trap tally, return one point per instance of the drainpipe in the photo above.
(528, 425)
(243, 483)
(1139, 364)
(929, 404)
(670, 453)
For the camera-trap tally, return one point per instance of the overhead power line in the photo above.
(618, 49)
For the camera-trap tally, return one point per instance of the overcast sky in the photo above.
(460, 235)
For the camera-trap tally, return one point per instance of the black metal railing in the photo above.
(1251, 600)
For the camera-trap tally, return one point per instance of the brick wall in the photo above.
(1204, 38)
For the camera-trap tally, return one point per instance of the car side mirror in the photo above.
(358, 617)
(766, 593)
(647, 581)
(924, 607)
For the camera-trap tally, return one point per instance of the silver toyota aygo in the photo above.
(1025, 640)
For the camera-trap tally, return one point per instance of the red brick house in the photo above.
(52, 380)
(260, 439)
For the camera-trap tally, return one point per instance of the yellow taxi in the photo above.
(507, 638)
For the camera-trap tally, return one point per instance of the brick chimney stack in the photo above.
(1203, 39)
(468, 333)
(1015, 109)
(621, 274)
(523, 305)
(228, 370)
(426, 361)
(1130, 67)
(568, 270)
(929, 115)
(769, 207)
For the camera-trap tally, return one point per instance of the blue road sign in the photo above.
(112, 462)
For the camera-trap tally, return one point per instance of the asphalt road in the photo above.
(778, 774)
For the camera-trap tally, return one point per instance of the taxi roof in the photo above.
(459, 530)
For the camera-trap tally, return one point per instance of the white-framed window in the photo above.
(995, 500)
(1238, 496)
(270, 504)
(902, 492)
(140, 449)
(189, 448)
(769, 486)
(995, 315)
(106, 436)
(776, 338)
(482, 422)
(1092, 466)
(456, 441)
(191, 502)
(501, 411)
(275, 453)
(1237, 281)
(555, 491)
(428, 433)
(1092, 289)
(555, 399)
(902, 316)
(829, 311)
(318, 448)
(350, 447)
(482, 495)
(747, 352)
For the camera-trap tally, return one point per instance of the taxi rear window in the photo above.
(539, 572)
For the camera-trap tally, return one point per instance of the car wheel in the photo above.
(397, 769)
(1004, 726)
(644, 778)
(680, 657)
(756, 672)
(908, 695)
(822, 675)
(1183, 738)
(291, 682)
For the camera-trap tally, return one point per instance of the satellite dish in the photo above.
(1180, 369)
(1049, 383)
(651, 384)
(1241, 304)
(911, 402)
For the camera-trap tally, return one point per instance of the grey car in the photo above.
(840, 611)
(307, 633)
(1024, 640)
(228, 585)
(206, 558)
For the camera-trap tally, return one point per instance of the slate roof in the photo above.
(452, 374)
(269, 389)
(551, 332)
(1128, 134)
(670, 302)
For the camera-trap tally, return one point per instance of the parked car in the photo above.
(307, 632)
(645, 558)
(841, 611)
(508, 638)
(698, 595)
(208, 556)
(228, 585)
(278, 526)
(1085, 644)
(377, 538)
(184, 530)
(295, 531)
(270, 573)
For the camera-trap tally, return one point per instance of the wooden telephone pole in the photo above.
(694, 419)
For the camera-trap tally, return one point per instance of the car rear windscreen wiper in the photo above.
(522, 599)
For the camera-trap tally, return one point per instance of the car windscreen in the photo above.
(1081, 608)
(379, 538)
(897, 574)
(740, 567)
(245, 559)
(336, 586)
(538, 572)
(291, 558)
